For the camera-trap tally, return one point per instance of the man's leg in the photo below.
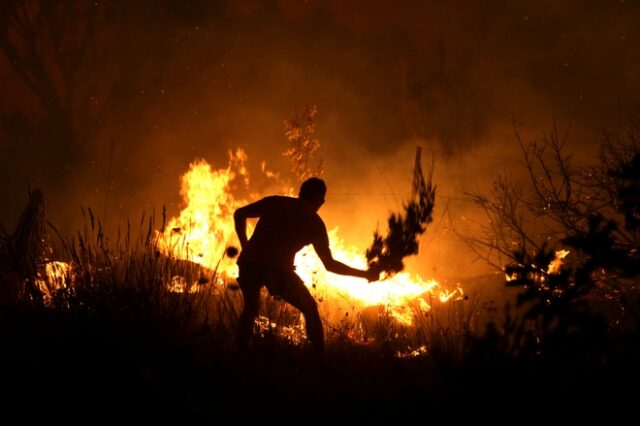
(297, 294)
(250, 307)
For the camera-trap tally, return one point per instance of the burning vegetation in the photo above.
(173, 286)
(136, 321)
(204, 232)
(192, 251)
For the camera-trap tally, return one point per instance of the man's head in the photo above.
(313, 190)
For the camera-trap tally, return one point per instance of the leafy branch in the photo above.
(386, 253)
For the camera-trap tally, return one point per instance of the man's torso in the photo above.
(285, 226)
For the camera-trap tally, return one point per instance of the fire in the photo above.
(556, 263)
(204, 229)
(394, 293)
(57, 276)
(554, 268)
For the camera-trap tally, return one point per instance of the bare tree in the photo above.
(591, 211)
(78, 59)
(556, 200)
(51, 46)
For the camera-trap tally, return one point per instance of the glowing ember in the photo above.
(205, 229)
(554, 268)
(294, 333)
(179, 284)
(420, 351)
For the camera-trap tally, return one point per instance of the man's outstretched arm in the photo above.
(337, 267)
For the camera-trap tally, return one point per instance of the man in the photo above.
(285, 225)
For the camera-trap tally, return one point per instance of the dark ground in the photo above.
(70, 368)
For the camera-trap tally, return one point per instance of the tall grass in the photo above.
(117, 323)
(128, 282)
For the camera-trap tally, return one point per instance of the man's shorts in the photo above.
(278, 281)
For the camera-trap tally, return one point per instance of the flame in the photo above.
(556, 263)
(205, 228)
(554, 268)
(57, 276)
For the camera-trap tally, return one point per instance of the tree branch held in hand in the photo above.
(386, 253)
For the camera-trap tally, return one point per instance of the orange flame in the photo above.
(556, 263)
(205, 229)
(57, 276)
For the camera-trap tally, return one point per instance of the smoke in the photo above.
(452, 77)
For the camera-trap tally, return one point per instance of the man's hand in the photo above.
(372, 275)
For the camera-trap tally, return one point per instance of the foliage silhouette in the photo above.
(386, 253)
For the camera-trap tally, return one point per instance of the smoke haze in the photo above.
(194, 79)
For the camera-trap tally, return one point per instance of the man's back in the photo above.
(286, 225)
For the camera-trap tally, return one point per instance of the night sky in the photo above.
(155, 85)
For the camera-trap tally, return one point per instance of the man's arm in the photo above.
(240, 217)
(337, 267)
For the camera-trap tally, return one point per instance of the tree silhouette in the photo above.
(80, 60)
(571, 311)
(386, 254)
(299, 131)
(51, 46)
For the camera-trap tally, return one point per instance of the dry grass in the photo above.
(121, 341)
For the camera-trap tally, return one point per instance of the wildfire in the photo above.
(57, 275)
(205, 228)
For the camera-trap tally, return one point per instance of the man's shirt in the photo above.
(285, 226)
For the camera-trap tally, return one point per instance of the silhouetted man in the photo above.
(285, 225)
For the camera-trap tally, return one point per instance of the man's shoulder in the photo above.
(283, 198)
(318, 223)
(276, 199)
(279, 203)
